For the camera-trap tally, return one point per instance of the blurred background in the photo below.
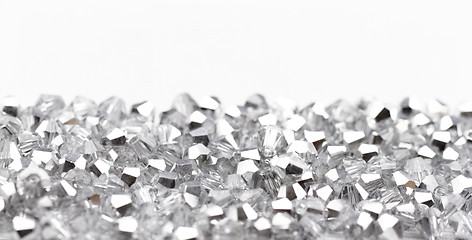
(304, 51)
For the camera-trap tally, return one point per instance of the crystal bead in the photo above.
(199, 152)
(144, 109)
(409, 106)
(83, 107)
(48, 104)
(324, 192)
(440, 139)
(33, 182)
(317, 138)
(184, 103)
(121, 202)
(268, 119)
(67, 189)
(379, 112)
(116, 137)
(130, 174)
(127, 225)
(294, 191)
(167, 179)
(209, 103)
(7, 189)
(282, 205)
(263, 227)
(256, 101)
(291, 164)
(271, 141)
(214, 213)
(352, 137)
(368, 151)
(100, 167)
(373, 208)
(192, 192)
(282, 221)
(391, 226)
(245, 212)
(335, 207)
(186, 233)
(167, 134)
(114, 109)
(366, 222)
(246, 166)
(9, 126)
(23, 225)
(295, 122)
(9, 105)
(425, 198)
(206, 170)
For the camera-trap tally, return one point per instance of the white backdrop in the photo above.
(305, 51)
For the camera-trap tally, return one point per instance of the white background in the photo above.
(305, 51)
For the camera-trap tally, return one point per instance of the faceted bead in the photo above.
(192, 192)
(83, 107)
(209, 103)
(33, 182)
(145, 109)
(379, 112)
(425, 198)
(214, 213)
(271, 141)
(48, 104)
(199, 152)
(391, 226)
(282, 205)
(100, 167)
(186, 233)
(10, 105)
(291, 164)
(409, 106)
(256, 101)
(167, 134)
(167, 179)
(245, 212)
(440, 139)
(335, 207)
(246, 166)
(294, 191)
(184, 103)
(113, 109)
(317, 138)
(130, 174)
(23, 225)
(263, 227)
(121, 202)
(207, 170)
(116, 137)
(368, 151)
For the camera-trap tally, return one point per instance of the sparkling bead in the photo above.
(262, 170)
(23, 225)
(121, 202)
